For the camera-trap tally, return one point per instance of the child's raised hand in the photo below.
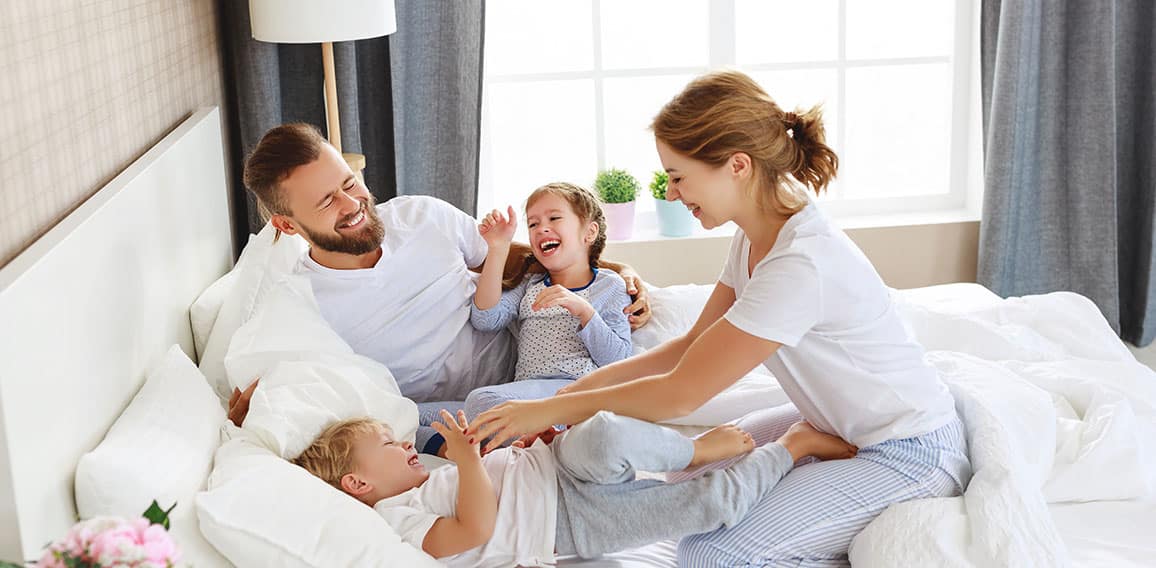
(459, 446)
(558, 295)
(498, 228)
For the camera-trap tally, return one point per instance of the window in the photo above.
(571, 87)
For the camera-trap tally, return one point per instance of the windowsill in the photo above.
(646, 224)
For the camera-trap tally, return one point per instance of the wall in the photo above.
(86, 87)
(907, 256)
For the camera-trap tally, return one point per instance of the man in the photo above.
(394, 280)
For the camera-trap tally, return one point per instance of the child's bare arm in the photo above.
(477, 505)
(498, 230)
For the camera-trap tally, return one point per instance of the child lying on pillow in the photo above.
(577, 496)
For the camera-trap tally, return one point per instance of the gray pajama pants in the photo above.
(602, 508)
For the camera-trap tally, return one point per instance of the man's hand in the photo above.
(459, 446)
(638, 312)
(239, 403)
(559, 295)
(497, 228)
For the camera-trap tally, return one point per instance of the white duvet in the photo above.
(1057, 410)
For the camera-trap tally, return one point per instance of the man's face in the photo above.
(330, 207)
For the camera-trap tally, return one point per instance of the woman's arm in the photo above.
(663, 358)
(713, 362)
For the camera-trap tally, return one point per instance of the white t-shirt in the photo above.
(527, 486)
(411, 311)
(846, 361)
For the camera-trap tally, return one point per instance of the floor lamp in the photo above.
(324, 22)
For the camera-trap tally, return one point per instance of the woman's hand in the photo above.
(459, 445)
(558, 295)
(497, 228)
(512, 419)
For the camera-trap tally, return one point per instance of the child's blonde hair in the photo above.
(585, 205)
(330, 457)
(725, 112)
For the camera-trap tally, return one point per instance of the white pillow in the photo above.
(261, 510)
(262, 264)
(674, 309)
(299, 399)
(161, 447)
(203, 312)
(288, 326)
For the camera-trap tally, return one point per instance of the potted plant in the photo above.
(674, 219)
(617, 189)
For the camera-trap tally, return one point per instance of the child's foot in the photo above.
(720, 443)
(802, 440)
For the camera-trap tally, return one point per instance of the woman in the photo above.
(797, 296)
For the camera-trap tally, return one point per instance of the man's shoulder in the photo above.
(406, 205)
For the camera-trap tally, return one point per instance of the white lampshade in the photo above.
(318, 21)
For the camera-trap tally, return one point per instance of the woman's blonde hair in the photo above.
(585, 205)
(330, 456)
(722, 113)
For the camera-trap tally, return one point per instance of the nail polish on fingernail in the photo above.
(471, 440)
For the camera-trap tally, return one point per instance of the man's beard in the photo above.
(367, 239)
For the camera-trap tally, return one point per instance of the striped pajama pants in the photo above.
(810, 517)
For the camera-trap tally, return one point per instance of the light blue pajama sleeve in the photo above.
(607, 334)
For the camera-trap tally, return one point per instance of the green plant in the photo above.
(616, 186)
(658, 185)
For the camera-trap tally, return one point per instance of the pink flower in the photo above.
(112, 542)
(159, 547)
(50, 560)
(119, 545)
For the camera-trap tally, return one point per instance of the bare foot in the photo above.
(720, 443)
(802, 440)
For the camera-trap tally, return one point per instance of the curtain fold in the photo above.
(1069, 173)
(437, 72)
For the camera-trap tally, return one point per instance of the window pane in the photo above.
(524, 36)
(641, 34)
(536, 133)
(898, 131)
(629, 105)
(778, 31)
(899, 28)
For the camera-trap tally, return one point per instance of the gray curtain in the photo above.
(410, 102)
(437, 93)
(1069, 131)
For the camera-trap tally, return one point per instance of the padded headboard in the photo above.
(89, 307)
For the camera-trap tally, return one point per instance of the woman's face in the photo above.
(712, 194)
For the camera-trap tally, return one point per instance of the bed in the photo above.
(89, 310)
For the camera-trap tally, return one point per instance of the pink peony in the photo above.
(114, 542)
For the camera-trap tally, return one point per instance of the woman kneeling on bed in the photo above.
(798, 297)
(519, 506)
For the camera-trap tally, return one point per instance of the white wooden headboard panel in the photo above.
(89, 307)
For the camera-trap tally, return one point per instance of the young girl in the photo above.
(797, 296)
(570, 313)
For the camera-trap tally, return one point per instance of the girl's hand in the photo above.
(512, 419)
(497, 229)
(558, 295)
(459, 446)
